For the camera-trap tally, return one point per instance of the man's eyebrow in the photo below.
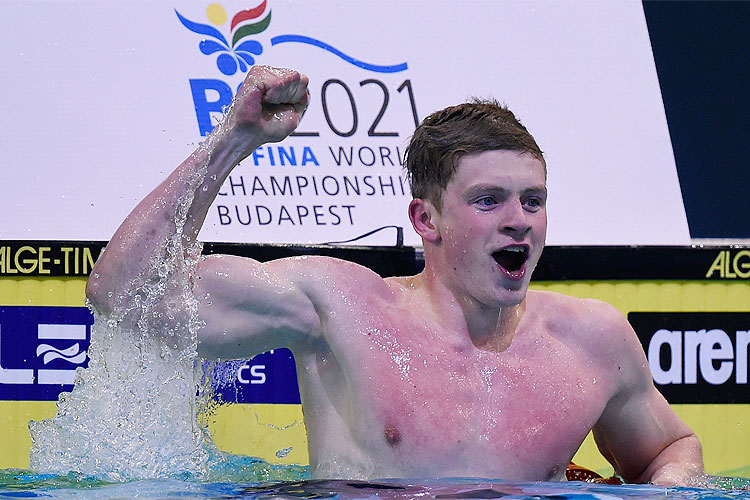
(487, 186)
(536, 190)
(494, 188)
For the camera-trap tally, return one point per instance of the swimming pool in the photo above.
(25, 484)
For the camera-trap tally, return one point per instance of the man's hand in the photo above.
(268, 106)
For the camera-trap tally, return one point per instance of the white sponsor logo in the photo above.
(709, 353)
(72, 354)
(257, 374)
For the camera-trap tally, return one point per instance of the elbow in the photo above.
(678, 464)
(99, 295)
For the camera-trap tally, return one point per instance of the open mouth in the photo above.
(512, 259)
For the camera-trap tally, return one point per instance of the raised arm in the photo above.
(267, 108)
(638, 432)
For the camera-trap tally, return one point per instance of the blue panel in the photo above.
(267, 378)
(40, 349)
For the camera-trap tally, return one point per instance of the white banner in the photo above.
(101, 100)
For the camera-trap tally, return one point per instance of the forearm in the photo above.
(677, 464)
(182, 199)
(166, 223)
(176, 208)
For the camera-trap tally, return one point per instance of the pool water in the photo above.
(26, 484)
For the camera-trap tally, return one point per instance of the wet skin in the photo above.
(458, 371)
(409, 399)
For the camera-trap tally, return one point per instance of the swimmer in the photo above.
(459, 371)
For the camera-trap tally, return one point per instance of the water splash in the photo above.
(133, 413)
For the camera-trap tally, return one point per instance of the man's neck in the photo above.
(488, 328)
(495, 332)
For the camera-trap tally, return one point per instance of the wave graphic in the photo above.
(72, 354)
(317, 43)
(247, 14)
(202, 29)
(251, 29)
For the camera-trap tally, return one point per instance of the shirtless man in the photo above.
(455, 372)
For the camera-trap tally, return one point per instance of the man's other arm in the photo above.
(638, 432)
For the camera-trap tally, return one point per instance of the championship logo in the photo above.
(329, 181)
(239, 53)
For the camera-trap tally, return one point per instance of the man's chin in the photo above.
(512, 296)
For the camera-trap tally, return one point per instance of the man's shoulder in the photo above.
(330, 273)
(308, 272)
(582, 308)
(577, 316)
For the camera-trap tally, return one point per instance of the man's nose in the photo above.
(515, 218)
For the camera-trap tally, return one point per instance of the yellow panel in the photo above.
(722, 429)
(64, 292)
(647, 295)
(8, 291)
(274, 432)
(30, 292)
(630, 296)
(15, 415)
(685, 296)
(14, 422)
(75, 291)
(604, 291)
(737, 296)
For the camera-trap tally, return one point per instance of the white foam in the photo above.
(133, 411)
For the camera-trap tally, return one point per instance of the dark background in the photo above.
(701, 53)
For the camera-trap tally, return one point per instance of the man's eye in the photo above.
(486, 201)
(534, 203)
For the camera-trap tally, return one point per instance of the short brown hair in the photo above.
(445, 136)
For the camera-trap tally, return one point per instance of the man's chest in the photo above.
(420, 395)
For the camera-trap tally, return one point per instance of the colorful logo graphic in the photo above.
(239, 54)
(40, 349)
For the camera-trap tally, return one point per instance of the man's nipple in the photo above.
(392, 435)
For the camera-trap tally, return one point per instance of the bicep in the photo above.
(247, 307)
(633, 432)
(637, 423)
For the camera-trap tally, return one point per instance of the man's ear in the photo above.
(424, 216)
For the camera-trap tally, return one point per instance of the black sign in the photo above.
(697, 357)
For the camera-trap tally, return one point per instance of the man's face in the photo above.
(492, 226)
